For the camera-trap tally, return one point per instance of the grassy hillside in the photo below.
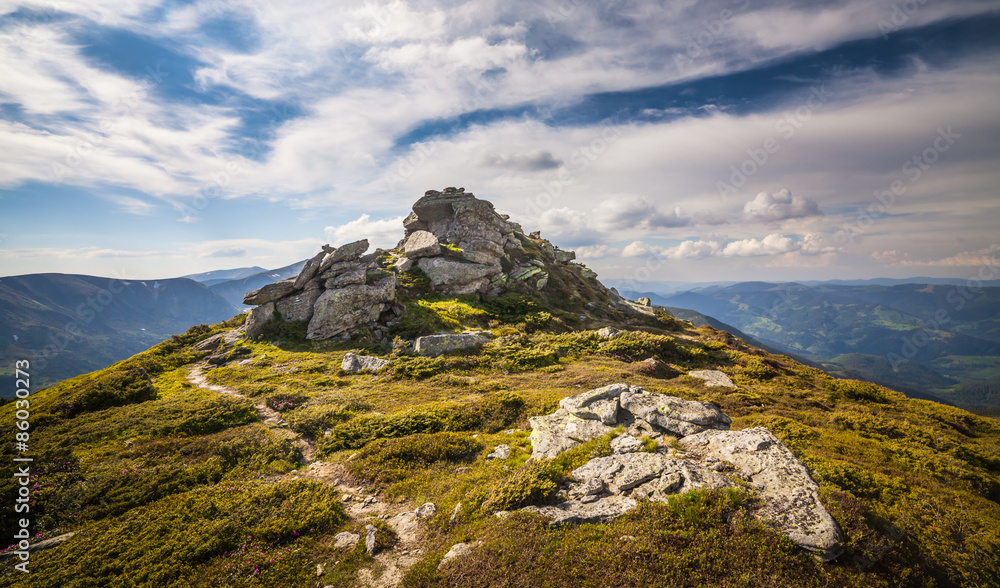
(168, 484)
(72, 324)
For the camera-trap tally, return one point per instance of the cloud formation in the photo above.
(781, 205)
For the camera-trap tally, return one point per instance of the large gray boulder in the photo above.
(254, 325)
(299, 306)
(421, 244)
(432, 345)
(345, 253)
(360, 363)
(458, 217)
(672, 414)
(790, 495)
(270, 292)
(309, 270)
(583, 511)
(456, 277)
(713, 378)
(340, 311)
(590, 414)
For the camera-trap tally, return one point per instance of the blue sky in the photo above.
(680, 141)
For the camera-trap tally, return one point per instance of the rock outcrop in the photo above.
(595, 413)
(360, 363)
(711, 457)
(433, 345)
(458, 241)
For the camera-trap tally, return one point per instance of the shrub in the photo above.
(537, 480)
(116, 388)
(637, 345)
(385, 461)
(862, 391)
(756, 369)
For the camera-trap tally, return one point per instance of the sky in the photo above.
(671, 141)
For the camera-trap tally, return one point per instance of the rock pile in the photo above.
(459, 241)
(711, 457)
(337, 291)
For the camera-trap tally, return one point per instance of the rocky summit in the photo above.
(459, 242)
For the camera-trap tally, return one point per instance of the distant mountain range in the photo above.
(937, 339)
(218, 276)
(669, 287)
(234, 290)
(71, 324)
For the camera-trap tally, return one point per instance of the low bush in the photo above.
(385, 461)
(862, 391)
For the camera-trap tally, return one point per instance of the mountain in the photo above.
(926, 338)
(70, 324)
(218, 276)
(234, 290)
(423, 417)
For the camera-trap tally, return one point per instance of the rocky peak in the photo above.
(459, 242)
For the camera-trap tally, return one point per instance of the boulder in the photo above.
(457, 550)
(345, 540)
(626, 444)
(371, 539)
(582, 511)
(345, 309)
(590, 414)
(672, 414)
(403, 265)
(345, 253)
(254, 325)
(350, 278)
(309, 270)
(360, 363)
(426, 510)
(790, 496)
(499, 452)
(608, 333)
(644, 301)
(564, 256)
(340, 268)
(458, 217)
(421, 244)
(209, 344)
(299, 307)
(456, 277)
(270, 292)
(713, 378)
(432, 345)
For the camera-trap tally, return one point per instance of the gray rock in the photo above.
(790, 496)
(433, 345)
(403, 265)
(270, 292)
(339, 311)
(455, 514)
(209, 344)
(348, 251)
(587, 273)
(542, 281)
(350, 278)
(309, 270)
(455, 277)
(426, 510)
(340, 268)
(713, 378)
(499, 452)
(644, 301)
(371, 536)
(421, 244)
(360, 363)
(254, 325)
(457, 550)
(564, 256)
(626, 444)
(608, 333)
(672, 414)
(600, 404)
(578, 511)
(552, 434)
(299, 306)
(345, 540)
(413, 223)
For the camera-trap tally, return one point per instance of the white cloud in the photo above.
(641, 249)
(636, 212)
(596, 252)
(384, 233)
(769, 245)
(779, 206)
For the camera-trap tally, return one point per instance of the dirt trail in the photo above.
(360, 502)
